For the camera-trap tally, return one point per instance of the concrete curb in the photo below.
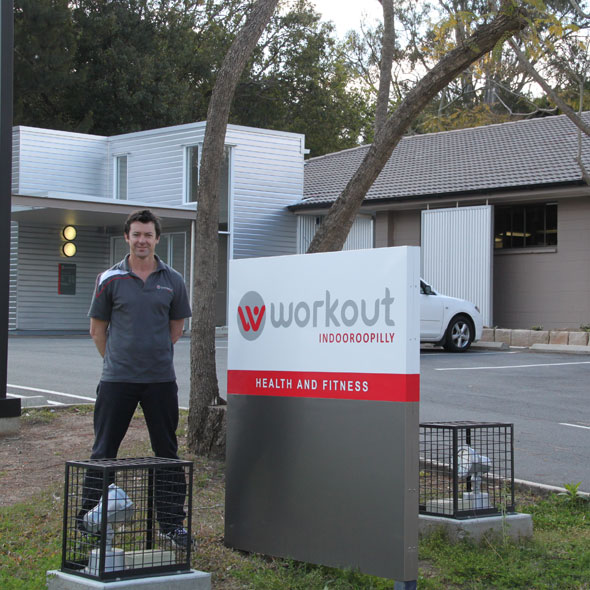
(491, 345)
(526, 338)
(543, 488)
(567, 348)
(571, 348)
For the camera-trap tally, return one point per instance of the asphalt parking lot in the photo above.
(545, 395)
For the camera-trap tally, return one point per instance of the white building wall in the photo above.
(267, 173)
(457, 254)
(266, 169)
(155, 162)
(16, 164)
(58, 162)
(12, 298)
(40, 307)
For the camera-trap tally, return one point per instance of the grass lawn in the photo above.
(558, 557)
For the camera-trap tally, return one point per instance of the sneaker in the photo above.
(180, 538)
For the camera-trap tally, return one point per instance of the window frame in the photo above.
(187, 181)
(118, 158)
(520, 230)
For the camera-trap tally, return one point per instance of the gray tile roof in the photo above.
(528, 153)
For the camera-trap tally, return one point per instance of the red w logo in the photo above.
(254, 317)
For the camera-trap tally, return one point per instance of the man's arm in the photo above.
(176, 330)
(98, 331)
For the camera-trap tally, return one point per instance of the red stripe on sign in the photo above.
(358, 386)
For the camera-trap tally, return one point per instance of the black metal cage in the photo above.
(120, 516)
(466, 469)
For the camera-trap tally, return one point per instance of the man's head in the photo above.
(143, 216)
(142, 233)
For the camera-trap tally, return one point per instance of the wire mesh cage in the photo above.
(122, 517)
(466, 469)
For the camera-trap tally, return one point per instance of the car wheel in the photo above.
(459, 334)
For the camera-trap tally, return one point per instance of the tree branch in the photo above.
(563, 106)
(579, 10)
(332, 233)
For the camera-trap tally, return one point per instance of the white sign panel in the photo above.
(342, 325)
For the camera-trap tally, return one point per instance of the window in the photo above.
(192, 183)
(525, 226)
(120, 180)
(192, 173)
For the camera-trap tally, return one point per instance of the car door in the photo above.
(431, 313)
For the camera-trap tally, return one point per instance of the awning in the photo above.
(88, 211)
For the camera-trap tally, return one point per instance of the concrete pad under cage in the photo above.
(515, 525)
(191, 580)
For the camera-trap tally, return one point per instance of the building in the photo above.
(91, 183)
(501, 212)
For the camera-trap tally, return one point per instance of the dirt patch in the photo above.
(35, 457)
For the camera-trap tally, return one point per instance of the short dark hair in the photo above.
(143, 216)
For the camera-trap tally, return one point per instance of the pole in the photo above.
(9, 408)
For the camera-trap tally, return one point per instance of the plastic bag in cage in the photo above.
(119, 509)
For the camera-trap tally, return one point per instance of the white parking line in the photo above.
(90, 399)
(511, 366)
(574, 425)
(431, 354)
(25, 397)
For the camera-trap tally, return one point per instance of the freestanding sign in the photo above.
(323, 391)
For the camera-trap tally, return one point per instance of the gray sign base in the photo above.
(332, 482)
(191, 580)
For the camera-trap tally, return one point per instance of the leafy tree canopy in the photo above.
(495, 88)
(115, 66)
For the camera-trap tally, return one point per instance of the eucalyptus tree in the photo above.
(385, 63)
(496, 88)
(472, 68)
(510, 19)
(204, 387)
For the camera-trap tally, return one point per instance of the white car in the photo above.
(448, 321)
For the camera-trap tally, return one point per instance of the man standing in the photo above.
(136, 316)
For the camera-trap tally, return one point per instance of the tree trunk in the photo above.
(204, 387)
(331, 235)
(386, 63)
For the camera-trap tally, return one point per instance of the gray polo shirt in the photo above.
(139, 349)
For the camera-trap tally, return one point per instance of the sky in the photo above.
(347, 14)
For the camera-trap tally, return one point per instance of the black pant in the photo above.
(115, 405)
